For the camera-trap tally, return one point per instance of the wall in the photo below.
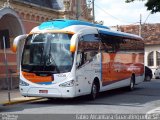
(148, 49)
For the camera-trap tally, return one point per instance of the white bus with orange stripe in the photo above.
(70, 58)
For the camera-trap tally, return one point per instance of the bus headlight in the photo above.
(22, 83)
(67, 84)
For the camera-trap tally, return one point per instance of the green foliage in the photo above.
(152, 5)
(128, 1)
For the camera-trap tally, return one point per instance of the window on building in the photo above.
(158, 58)
(150, 59)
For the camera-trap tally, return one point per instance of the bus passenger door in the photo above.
(88, 45)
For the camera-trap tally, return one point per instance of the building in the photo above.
(151, 35)
(20, 16)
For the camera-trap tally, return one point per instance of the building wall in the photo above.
(148, 50)
(32, 16)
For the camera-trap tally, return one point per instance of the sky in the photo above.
(117, 12)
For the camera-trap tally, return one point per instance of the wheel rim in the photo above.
(94, 91)
(132, 84)
(148, 78)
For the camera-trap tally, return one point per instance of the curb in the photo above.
(19, 101)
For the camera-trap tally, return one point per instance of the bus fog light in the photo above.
(22, 83)
(67, 84)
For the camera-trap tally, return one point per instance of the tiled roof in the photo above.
(150, 32)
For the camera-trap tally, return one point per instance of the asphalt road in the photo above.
(143, 99)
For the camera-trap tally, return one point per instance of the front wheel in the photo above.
(94, 91)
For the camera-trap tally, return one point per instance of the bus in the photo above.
(69, 58)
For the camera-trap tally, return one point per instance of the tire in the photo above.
(147, 78)
(94, 91)
(132, 84)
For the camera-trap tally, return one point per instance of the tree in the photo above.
(153, 5)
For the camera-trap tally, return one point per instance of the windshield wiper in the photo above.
(49, 60)
(29, 69)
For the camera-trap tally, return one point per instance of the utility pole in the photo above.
(77, 9)
(93, 11)
(140, 25)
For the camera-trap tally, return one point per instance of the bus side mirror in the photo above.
(72, 48)
(16, 42)
(73, 42)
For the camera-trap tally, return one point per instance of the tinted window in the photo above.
(89, 42)
(117, 44)
(88, 47)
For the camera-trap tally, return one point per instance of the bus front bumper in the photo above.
(47, 92)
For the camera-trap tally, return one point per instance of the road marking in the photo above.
(156, 110)
(153, 114)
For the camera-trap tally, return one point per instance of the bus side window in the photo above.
(88, 47)
(111, 44)
(80, 59)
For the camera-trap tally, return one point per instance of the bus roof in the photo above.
(62, 23)
(119, 34)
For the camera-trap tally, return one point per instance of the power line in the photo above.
(114, 16)
(147, 18)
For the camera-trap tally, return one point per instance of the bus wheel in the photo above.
(94, 91)
(132, 84)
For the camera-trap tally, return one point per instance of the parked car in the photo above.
(148, 74)
(157, 73)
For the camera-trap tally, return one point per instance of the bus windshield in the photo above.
(47, 52)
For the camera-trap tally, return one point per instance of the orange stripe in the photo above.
(121, 66)
(35, 79)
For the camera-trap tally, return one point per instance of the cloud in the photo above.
(117, 12)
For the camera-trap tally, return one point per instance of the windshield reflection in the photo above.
(49, 52)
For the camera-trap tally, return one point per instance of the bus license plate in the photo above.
(43, 91)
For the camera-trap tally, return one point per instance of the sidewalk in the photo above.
(15, 97)
(4, 95)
